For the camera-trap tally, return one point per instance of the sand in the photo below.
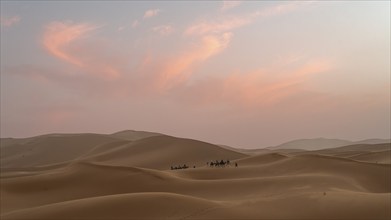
(90, 176)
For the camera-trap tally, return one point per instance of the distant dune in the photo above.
(134, 135)
(324, 143)
(128, 176)
(312, 144)
(375, 153)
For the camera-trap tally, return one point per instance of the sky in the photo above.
(246, 74)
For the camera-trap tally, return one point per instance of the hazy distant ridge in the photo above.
(132, 135)
(324, 143)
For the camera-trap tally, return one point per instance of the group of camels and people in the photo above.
(216, 163)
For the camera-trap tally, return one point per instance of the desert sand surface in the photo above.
(127, 175)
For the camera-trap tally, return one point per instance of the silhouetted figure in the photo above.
(236, 164)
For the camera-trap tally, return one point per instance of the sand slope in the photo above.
(162, 152)
(374, 157)
(50, 149)
(120, 206)
(132, 135)
(156, 151)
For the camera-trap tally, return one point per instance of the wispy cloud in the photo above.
(182, 66)
(280, 9)
(71, 42)
(227, 5)
(135, 23)
(208, 27)
(223, 24)
(263, 87)
(215, 36)
(59, 35)
(174, 70)
(9, 21)
(163, 30)
(151, 13)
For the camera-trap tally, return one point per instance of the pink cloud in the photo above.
(233, 22)
(313, 67)
(9, 21)
(74, 44)
(59, 116)
(207, 27)
(151, 13)
(163, 30)
(260, 88)
(135, 23)
(182, 66)
(227, 5)
(59, 35)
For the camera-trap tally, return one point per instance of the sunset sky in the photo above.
(245, 74)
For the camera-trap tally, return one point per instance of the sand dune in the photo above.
(49, 149)
(325, 143)
(261, 159)
(233, 187)
(350, 151)
(162, 152)
(134, 135)
(176, 206)
(113, 178)
(312, 144)
(157, 151)
(164, 205)
(374, 157)
(365, 147)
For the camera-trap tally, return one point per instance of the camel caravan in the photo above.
(215, 163)
(179, 167)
